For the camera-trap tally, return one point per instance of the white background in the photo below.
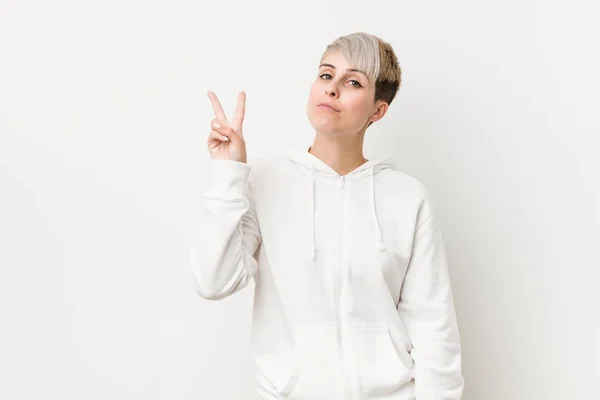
(103, 161)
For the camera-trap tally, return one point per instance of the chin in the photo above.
(323, 124)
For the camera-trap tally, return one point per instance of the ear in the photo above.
(382, 108)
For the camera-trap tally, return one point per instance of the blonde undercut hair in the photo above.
(373, 56)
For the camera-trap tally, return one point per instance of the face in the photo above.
(349, 92)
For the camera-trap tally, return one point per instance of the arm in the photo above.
(426, 308)
(222, 254)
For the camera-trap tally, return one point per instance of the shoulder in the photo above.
(395, 179)
(409, 188)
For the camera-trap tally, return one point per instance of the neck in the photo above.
(342, 154)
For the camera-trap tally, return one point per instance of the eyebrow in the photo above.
(347, 69)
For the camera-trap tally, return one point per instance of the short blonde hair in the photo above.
(373, 56)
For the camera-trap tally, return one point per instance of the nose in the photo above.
(330, 91)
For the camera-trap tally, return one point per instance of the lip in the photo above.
(326, 107)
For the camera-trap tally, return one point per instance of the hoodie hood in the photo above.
(315, 166)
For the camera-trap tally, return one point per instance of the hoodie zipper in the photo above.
(338, 287)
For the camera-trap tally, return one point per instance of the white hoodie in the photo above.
(352, 292)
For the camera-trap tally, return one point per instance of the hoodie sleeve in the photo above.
(426, 308)
(222, 253)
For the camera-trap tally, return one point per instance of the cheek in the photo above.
(319, 88)
(312, 95)
(357, 106)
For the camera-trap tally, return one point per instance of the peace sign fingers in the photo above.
(226, 141)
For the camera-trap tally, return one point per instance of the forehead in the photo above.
(337, 59)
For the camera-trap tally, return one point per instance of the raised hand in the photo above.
(226, 141)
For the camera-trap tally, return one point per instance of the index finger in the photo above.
(219, 113)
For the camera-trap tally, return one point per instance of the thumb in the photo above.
(229, 133)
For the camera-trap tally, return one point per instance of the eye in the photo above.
(357, 85)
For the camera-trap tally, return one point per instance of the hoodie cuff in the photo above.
(229, 175)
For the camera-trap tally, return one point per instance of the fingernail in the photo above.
(216, 125)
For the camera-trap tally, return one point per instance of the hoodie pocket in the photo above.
(315, 368)
(380, 368)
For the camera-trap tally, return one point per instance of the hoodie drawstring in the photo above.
(313, 249)
(313, 255)
(374, 209)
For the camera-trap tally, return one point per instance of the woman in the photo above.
(352, 292)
